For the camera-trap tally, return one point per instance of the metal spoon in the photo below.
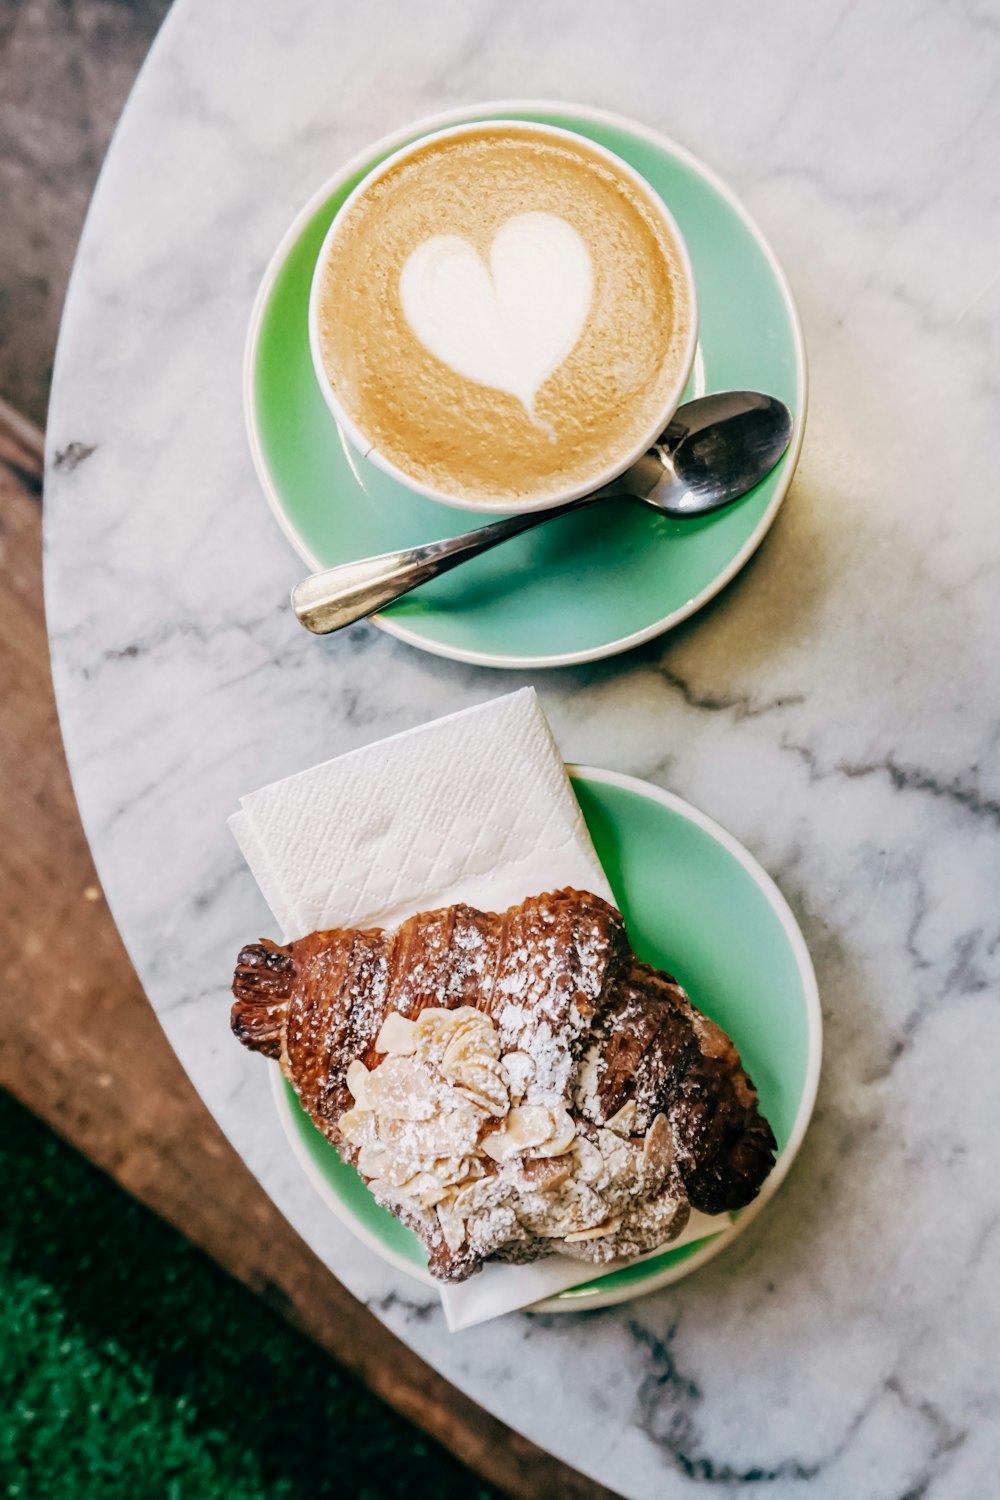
(715, 450)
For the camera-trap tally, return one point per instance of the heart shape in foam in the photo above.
(508, 325)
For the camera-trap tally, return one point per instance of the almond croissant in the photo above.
(510, 1084)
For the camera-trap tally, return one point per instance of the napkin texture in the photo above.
(476, 807)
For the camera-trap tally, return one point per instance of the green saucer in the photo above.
(695, 903)
(582, 587)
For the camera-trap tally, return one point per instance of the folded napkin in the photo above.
(477, 808)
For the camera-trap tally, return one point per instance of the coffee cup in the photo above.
(503, 316)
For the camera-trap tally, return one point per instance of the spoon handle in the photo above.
(328, 601)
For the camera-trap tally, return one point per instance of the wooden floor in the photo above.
(81, 1047)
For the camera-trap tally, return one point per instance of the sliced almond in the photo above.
(452, 1227)
(657, 1150)
(433, 1017)
(436, 1026)
(395, 1168)
(623, 1121)
(373, 1159)
(483, 1085)
(595, 1232)
(357, 1082)
(499, 1146)
(478, 1196)
(358, 1126)
(390, 1196)
(465, 1023)
(562, 1137)
(529, 1125)
(397, 1036)
(526, 1127)
(591, 1162)
(452, 1170)
(471, 1060)
(423, 1189)
(401, 1089)
(450, 1133)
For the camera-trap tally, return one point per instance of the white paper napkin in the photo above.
(476, 807)
(499, 1289)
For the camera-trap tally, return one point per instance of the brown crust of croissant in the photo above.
(555, 974)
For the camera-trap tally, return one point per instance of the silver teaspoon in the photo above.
(714, 451)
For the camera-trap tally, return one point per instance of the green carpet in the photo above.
(131, 1367)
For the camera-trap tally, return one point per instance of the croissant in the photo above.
(510, 1084)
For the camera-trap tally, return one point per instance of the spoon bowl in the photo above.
(713, 452)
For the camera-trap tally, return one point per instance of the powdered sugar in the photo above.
(481, 1176)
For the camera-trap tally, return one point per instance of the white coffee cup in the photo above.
(594, 481)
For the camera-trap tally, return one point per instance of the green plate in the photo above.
(696, 903)
(582, 587)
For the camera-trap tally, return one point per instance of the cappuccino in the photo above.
(505, 315)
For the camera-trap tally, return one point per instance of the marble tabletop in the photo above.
(837, 708)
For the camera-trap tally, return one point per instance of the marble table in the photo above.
(838, 707)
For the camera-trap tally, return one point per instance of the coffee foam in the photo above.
(503, 314)
(510, 323)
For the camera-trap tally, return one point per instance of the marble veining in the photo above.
(837, 707)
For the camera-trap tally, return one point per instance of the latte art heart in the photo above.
(508, 325)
